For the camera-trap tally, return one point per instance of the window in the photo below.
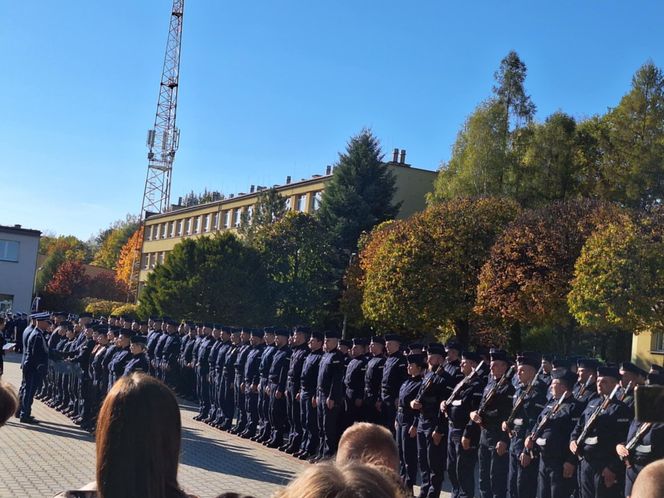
(148, 232)
(657, 342)
(160, 259)
(9, 250)
(227, 218)
(145, 261)
(288, 204)
(6, 302)
(300, 203)
(215, 221)
(196, 223)
(187, 225)
(171, 229)
(151, 260)
(237, 213)
(163, 230)
(179, 229)
(317, 198)
(250, 214)
(206, 222)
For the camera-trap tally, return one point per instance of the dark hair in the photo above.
(8, 402)
(138, 440)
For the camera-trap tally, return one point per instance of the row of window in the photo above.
(151, 259)
(229, 218)
(9, 250)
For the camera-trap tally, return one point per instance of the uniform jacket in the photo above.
(309, 377)
(354, 378)
(373, 377)
(279, 368)
(299, 353)
(330, 376)
(137, 363)
(394, 373)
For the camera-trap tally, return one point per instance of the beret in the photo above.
(378, 339)
(418, 358)
(498, 355)
(346, 342)
(608, 372)
(360, 341)
(332, 334)
(471, 356)
(628, 366)
(393, 337)
(435, 348)
(318, 335)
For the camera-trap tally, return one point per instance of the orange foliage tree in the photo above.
(129, 261)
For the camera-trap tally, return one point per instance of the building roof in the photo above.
(18, 230)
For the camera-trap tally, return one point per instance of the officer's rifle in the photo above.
(585, 387)
(494, 390)
(590, 423)
(521, 400)
(462, 383)
(539, 427)
(636, 439)
(626, 391)
(429, 381)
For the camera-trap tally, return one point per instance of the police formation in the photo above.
(539, 426)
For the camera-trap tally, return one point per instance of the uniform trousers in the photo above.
(228, 407)
(241, 422)
(460, 465)
(550, 480)
(522, 480)
(294, 419)
(493, 468)
(630, 476)
(263, 407)
(431, 458)
(278, 416)
(203, 391)
(309, 421)
(328, 426)
(33, 381)
(591, 482)
(371, 413)
(251, 406)
(407, 450)
(389, 414)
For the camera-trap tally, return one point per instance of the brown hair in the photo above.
(355, 480)
(368, 443)
(8, 402)
(138, 440)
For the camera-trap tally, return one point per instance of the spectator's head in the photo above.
(368, 443)
(650, 481)
(8, 402)
(138, 440)
(345, 481)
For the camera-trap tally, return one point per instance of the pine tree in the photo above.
(360, 193)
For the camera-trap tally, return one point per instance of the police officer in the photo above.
(329, 397)
(121, 357)
(406, 421)
(154, 334)
(529, 401)
(601, 473)
(252, 380)
(307, 398)
(264, 430)
(373, 379)
(85, 394)
(631, 376)
(354, 382)
(394, 373)
(217, 398)
(228, 407)
(277, 379)
(299, 352)
(495, 407)
(139, 359)
(217, 342)
(203, 372)
(187, 360)
(463, 436)
(240, 400)
(585, 388)
(170, 353)
(34, 366)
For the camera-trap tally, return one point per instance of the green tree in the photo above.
(360, 193)
(510, 92)
(72, 247)
(300, 263)
(109, 242)
(270, 207)
(422, 275)
(217, 279)
(618, 280)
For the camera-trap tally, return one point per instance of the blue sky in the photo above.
(270, 89)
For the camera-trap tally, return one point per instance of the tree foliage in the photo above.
(71, 247)
(126, 269)
(66, 288)
(421, 274)
(300, 263)
(360, 193)
(270, 207)
(210, 278)
(194, 199)
(109, 242)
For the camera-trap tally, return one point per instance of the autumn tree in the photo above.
(210, 278)
(360, 193)
(422, 275)
(104, 285)
(66, 287)
(300, 263)
(528, 275)
(126, 269)
(109, 242)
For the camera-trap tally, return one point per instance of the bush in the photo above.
(130, 310)
(101, 306)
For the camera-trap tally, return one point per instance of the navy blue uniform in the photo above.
(137, 363)
(170, 354)
(264, 427)
(354, 390)
(373, 378)
(394, 374)
(330, 387)
(299, 353)
(309, 413)
(203, 377)
(277, 384)
(34, 366)
(650, 447)
(407, 420)
(251, 381)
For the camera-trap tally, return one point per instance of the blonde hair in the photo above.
(356, 480)
(368, 443)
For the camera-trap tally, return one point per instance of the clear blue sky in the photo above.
(275, 88)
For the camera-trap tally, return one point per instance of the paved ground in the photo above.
(42, 460)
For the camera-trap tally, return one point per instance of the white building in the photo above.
(18, 264)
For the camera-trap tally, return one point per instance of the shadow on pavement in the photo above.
(213, 455)
(54, 429)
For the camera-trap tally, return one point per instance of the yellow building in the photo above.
(648, 349)
(164, 231)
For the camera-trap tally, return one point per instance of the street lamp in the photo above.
(343, 327)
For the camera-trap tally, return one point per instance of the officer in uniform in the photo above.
(463, 436)
(548, 439)
(170, 353)
(85, 394)
(586, 388)
(121, 357)
(299, 352)
(203, 372)
(212, 362)
(354, 382)
(646, 441)
(531, 395)
(407, 419)
(34, 367)
(631, 376)
(139, 358)
(307, 398)
(154, 334)
(330, 396)
(277, 388)
(546, 369)
(228, 381)
(264, 430)
(495, 407)
(240, 401)
(252, 380)
(373, 379)
(601, 473)
(431, 426)
(394, 373)
(187, 361)
(217, 398)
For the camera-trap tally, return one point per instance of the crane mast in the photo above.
(163, 138)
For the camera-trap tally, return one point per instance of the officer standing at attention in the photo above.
(601, 473)
(631, 376)
(203, 373)
(330, 397)
(212, 362)
(217, 398)
(154, 334)
(139, 359)
(495, 407)
(264, 430)
(531, 395)
(170, 354)
(307, 398)
(394, 373)
(299, 352)
(557, 464)
(277, 388)
(121, 356)
(586, 386)
(405, 424)
(252, 379)
(373, 379)
(34, 365)
(354, 382)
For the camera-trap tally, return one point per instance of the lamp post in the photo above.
(345, 323)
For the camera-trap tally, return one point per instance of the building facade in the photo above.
(163, 231)
(648, 349)
(18, 265)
